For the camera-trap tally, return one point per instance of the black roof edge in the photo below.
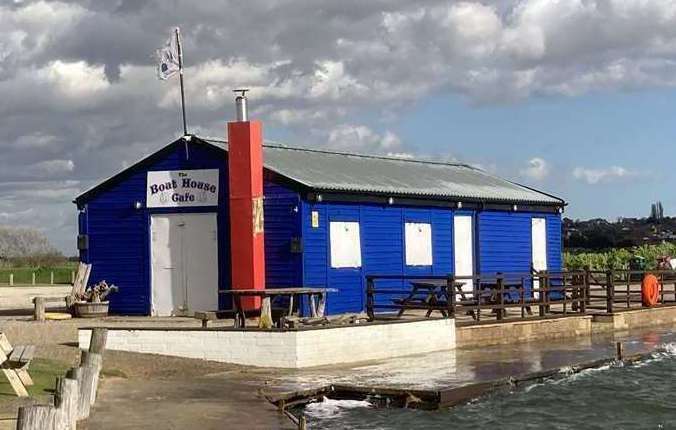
(115, 177)
(444, 201)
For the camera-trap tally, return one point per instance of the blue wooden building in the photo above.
(160, 230)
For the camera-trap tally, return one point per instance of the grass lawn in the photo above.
(24, 275)
(44, 373)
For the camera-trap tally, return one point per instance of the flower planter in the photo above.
(90, 310)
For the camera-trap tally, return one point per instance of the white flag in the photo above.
(167, 59)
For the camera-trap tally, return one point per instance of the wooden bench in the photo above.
(79, 286)
(40, 305)
(14, 363)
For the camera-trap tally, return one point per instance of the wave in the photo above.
(330, 408)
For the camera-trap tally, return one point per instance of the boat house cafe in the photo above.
(164, 229)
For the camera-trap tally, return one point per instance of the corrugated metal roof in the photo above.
(356, 173)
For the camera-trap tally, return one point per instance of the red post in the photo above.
(245, 177)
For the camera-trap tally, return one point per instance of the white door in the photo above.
(184, 260)
(539, 247)
(463, 249)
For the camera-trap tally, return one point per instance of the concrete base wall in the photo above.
(523, 331)
(288, 349)
(626, 320)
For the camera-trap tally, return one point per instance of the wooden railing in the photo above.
(540, 294)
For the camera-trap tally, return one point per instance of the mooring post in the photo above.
(619, 351)
(65, 400)
(98, 339)
(302, 423)
(36, 417)
(51, 278)
(11, 279)
(33, 278)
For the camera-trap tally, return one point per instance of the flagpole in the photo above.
(180, 75)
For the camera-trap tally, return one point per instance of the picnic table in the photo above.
(428, 294)
(14, 362)
(431, 294)
(490, 294)
(316, 298)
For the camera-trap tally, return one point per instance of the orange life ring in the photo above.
(650, 290)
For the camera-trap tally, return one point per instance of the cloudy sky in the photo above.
(577, 97)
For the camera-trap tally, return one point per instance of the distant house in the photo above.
(160, 231)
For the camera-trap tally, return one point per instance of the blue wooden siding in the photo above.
(505, 241)
(119, 243)
(554, 244)
(382, 248)
(283, 268)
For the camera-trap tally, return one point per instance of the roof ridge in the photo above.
(273, 144)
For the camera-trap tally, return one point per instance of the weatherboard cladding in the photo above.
(503, 242)
(119, 242)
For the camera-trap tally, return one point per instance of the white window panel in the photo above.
(345, 244)
(418, 244)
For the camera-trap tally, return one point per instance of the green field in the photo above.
(24, 275)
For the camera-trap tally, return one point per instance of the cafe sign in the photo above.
(182, 188)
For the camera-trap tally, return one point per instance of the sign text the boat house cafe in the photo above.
(182, 188)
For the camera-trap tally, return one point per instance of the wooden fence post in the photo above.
(36, 417)
(370, 291)
(585, 292)
(610, 291)
(11, 279)
(65, 400)
(39, 312)
(501, 296)
(587, 284)
(450, 295)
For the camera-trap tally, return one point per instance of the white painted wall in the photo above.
(291, 349)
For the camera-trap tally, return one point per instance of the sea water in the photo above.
(641, 395)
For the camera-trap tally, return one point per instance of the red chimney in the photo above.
(245, 177)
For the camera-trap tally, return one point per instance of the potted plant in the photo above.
(92, 303)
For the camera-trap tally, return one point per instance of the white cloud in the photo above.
(75, 79)
(596, 176)
(52, 167)
(538, 169)
(78, 87)
(361, 138)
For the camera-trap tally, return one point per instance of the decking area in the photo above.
(508, 297)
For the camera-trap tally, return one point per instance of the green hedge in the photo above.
(24, 275)
(617, 258)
